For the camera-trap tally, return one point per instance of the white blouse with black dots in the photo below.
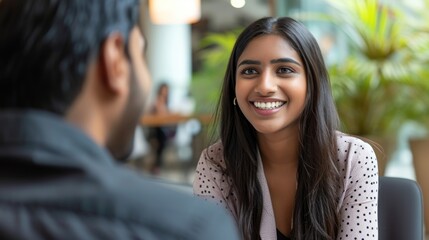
(357, 205)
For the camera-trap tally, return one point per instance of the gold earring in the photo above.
(234, 101)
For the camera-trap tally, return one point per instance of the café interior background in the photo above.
(189, 52)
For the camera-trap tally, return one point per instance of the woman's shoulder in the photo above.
(213, 155)
(211, 181)
(355, 156)
(215, 148)
(346, 142)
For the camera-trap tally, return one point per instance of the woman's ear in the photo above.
(114, 64)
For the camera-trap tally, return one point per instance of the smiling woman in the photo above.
(280, 166)
(271, 84)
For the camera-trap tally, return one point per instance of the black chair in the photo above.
(400, 209)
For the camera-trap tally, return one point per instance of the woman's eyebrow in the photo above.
(279, 60)
(249, 62)
(285, 60)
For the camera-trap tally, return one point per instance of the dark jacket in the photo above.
(56, 183)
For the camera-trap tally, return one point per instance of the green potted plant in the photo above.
(420, 144)
(375, 85)
(384, 82)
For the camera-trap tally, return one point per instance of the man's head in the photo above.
(82, 59)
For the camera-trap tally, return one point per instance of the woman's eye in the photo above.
(249, 71)
(284, 70)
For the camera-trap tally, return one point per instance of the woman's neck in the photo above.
(279, 152)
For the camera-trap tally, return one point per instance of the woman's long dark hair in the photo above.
(315, 213)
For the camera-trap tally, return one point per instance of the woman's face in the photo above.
(163, 92)
(271, 85)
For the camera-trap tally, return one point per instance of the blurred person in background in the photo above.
(160, 135)
(73, 83)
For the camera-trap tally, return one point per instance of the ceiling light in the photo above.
(238, 3)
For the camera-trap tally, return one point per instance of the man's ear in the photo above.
(114, 64)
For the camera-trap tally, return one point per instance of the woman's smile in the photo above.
(267, 107)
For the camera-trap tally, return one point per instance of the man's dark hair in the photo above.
(47, 45)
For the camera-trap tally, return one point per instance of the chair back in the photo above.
(400, 209)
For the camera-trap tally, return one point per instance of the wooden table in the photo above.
(150, 120)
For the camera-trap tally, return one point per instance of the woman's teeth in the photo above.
(268, 105)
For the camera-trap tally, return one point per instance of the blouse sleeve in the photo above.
(210, 182)
(358, 210)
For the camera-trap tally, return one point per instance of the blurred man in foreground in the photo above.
(73, 83)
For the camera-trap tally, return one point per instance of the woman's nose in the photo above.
(266, 85)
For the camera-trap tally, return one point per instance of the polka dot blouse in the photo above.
(357, 205)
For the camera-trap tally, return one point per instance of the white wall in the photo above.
(169, 58)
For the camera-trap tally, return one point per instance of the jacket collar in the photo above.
(268, 223)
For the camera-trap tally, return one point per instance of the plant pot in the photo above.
(420, 150)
